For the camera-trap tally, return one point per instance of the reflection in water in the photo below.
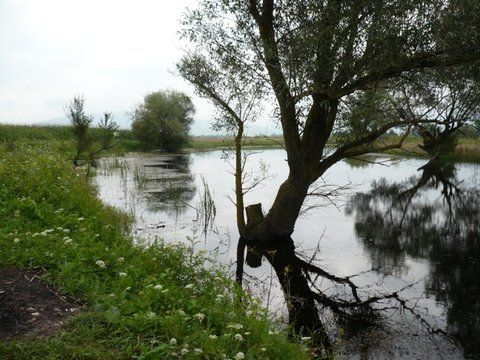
(434, 217)
(166, 183)
(126, 182)
(162, 183)
(171, 188)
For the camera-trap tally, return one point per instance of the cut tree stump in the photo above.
(254, 217)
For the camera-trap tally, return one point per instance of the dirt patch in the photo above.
(29, 307)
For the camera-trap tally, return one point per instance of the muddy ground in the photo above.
(29, 307)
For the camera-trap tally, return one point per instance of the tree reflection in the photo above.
(169, 185)
(435, 217)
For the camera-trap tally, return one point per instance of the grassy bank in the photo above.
(467, 150)
(144, 302)
(212, 142)
(62, 135)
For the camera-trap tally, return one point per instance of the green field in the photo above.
(138, 297)
(468, 149)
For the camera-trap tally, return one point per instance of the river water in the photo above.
(392, 227)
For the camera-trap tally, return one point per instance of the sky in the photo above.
(112, 52)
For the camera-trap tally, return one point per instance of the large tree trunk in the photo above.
(280, 220)
(302, 312)
(280, 252)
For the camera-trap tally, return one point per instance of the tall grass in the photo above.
(14, 134)
(206, 209)
(144, 302)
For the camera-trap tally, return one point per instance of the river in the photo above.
(393, 226)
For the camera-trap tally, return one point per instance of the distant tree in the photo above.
(163, 120)
(87, 147)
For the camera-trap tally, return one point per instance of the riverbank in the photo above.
(148, 302)
(467, 150)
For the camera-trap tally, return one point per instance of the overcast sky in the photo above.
(111, 51)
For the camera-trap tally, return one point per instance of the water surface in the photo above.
(395, 227)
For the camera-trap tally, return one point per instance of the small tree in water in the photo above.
(87, 147)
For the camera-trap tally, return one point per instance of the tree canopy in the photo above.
(336, 72)
(319, 60)
(87, 146)
(163, 120)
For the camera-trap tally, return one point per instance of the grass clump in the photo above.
(143, 302)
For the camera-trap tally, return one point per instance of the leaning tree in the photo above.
(336, 72)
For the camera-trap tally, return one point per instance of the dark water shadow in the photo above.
(168, 184)
(433, 217)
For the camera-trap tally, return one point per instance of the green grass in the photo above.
(467, 149)
(138, 297)
(14, 134)
(212, 142)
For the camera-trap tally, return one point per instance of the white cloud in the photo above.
(113, 52)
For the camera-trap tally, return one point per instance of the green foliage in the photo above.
(62, 137)
(364, 113)
(80, 125)
(138, 296)
(84, 142)
(163, 120)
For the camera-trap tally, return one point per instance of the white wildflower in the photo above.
(173, 341)
(181, 312)
(67, 241)
(189, 286)
(235, 326)
(120, 259)
(305, 338)
(212, 337)
(238, 337)
(199, 316)
(240, 356)
(198, 351)
(249, 312)
(122, 274)
(263, 349)
(151, 315)
(66, 231)
(158, 287)
(80, 219)
(184, 352)
(100, 263)
(246, 333)
(16, 240)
